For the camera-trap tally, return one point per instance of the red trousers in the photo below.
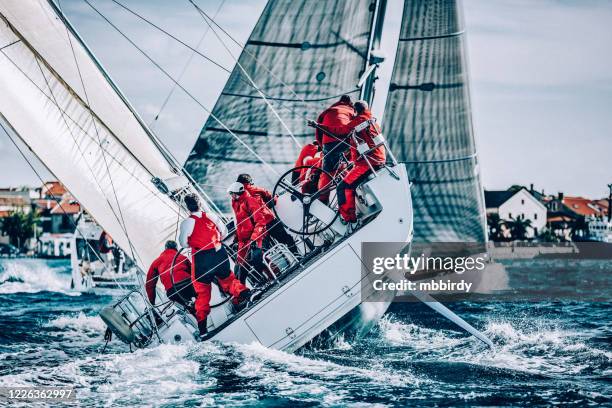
(208, 266)
(346, 190)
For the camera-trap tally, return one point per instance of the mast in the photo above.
(374, 58)
(610, 203)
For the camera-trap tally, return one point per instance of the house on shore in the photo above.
(516, 204)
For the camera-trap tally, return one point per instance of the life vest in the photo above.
(365, 134)
(205, 234)
(313, 162)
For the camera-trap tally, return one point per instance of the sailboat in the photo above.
(98, 265)
(60, 102)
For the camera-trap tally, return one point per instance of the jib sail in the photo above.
(429, 126)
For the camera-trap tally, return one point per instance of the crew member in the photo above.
(255, 224)
(334, 119)
(175, 278)
(202, 233)
(258, 192)
(308, 178)
(374, 157)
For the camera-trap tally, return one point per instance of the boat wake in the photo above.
(32, 276)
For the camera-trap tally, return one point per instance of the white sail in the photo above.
(41, 26)
(98, 149)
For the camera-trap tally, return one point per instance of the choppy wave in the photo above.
(544, 355)
(32, 276)
(535, 346)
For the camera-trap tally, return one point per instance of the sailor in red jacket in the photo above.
(364, 134)
(334, 119)
(176, 279)
(258, 192)
(308, 179)
(255, 223)
(202, 233)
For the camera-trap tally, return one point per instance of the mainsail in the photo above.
(429, 126)
(60, 102)
(302, 55)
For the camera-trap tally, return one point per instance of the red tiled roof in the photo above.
(4, 214)
(68, 205)
(560, 218)
(603, 203)
(53, 188)
(582, 206)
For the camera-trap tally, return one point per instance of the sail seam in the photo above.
(236, 60)
(433, 37)
(472, 156)
(272, 98)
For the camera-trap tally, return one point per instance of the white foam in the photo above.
(78, 322)
(528, 345)
(32, 276)
(299, 366)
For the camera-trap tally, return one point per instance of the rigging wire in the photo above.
(62, 113)
(85, 133)
(252, 55)
(110, 178)
(212, 115)
(269, 97)
(205, 18)
(180, 77)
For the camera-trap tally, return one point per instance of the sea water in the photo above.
(547, 353)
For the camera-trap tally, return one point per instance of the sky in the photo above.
(540, 72)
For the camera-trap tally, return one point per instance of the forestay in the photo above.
(429, 126)
(302, 55)
(73, 118)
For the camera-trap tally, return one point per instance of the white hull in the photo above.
(323, 294)
(329, 289)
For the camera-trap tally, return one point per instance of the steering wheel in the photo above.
(306, 192)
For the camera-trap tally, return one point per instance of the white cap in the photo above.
(235, 187)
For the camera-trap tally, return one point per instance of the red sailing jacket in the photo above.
(260, 193)
(251, 218)
(309, 156)
(205, 234)
(335, 118)
(160, 269)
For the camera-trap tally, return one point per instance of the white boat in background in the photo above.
(54, 245)
(98, 266)
(599, 229)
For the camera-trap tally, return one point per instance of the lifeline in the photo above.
(433, 285)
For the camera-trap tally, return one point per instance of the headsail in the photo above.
(60, 102)
(303, 55)
(429, 125)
